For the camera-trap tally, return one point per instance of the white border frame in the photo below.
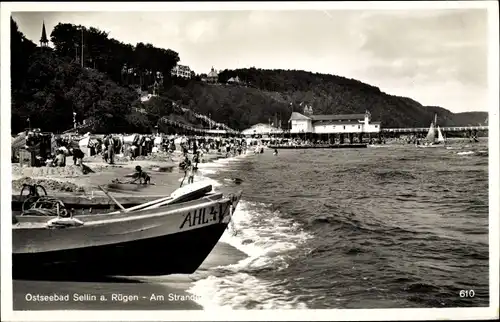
(282, 315)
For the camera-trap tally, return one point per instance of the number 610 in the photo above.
(467, 293)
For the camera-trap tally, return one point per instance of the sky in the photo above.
(436, 57)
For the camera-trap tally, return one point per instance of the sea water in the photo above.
(393, 227)
(388, 227)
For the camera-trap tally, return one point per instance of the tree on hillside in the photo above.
(21, 49)
(44, 93)
(156, 108)
(97, 97)
(124, 63)
(52, 81)
(59, 88)
(137, 121)
(67, 40)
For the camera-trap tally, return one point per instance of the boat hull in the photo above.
(174, 242)
(180, 253)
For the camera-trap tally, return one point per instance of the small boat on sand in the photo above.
(169, 235)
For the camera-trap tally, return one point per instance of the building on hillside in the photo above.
(261, 129)
(308, 110)
(234, 80)
(212, 77)
(333, 124)
(181, 71)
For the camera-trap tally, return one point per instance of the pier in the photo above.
(444, 129)
(449, 131)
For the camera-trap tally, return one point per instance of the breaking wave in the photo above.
(268, 240)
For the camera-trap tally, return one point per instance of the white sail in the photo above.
(431, 135)
(440, 135)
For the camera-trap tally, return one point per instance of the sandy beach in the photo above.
(148, 293)
(72, 179)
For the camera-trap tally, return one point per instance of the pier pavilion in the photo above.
(330, 127)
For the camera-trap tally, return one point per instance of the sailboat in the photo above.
(431, 139)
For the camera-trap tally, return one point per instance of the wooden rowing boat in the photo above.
(172, 234)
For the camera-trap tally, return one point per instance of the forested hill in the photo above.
(472, 118)
(327, 94)
(50, 84)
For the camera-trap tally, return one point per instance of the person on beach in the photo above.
(184, 149)
(186, 162)
(140, 175)
(78, 156)
(196, 160)
(53, 144)
(132, 152)
(60, 160)
(111, 150)
(171, 146)
(188, 172)
(195, 147)
(109, 155)
(103, 151)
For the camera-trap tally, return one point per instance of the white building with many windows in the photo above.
(181, 71)
(333, 124)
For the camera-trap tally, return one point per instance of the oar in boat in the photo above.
(143, 205)
(159, 204)
(112, 198)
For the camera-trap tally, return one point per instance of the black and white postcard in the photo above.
(250, 160)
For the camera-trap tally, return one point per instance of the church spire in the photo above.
(44, 42)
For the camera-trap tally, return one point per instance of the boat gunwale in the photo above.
(97, 219)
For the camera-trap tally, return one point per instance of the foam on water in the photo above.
(465, 153)
(268, 240)
(226, 161)
(222, 163)
(211, 165)
(242, 291)
(206, 171)
(199, 178)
